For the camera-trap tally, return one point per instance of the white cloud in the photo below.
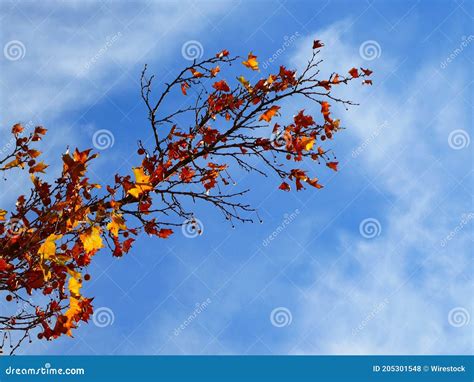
(411, 163)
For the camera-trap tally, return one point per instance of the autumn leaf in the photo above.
(187, 174)
(244, 82)
(222, 53)
(3, 213)
(17, 129)
(285, 186)
(314, 182)
(164, 233)
(40, 167)
(91, 239)
(367, 82)
(221, 86)
(307, 143)
(116, 223)
(367, 72)
(195, 73)
(184, 87)
(317, 44)
(269, 114)
(215, 70)
(48, 249)
(354, 73)
(251, 62)
(4, 266)
(332, 165)
(142, 183)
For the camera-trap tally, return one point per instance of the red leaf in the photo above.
(354, 73)
(164, 233)
(221, 85)
(317, 44)
(332, 165)
(285, 186)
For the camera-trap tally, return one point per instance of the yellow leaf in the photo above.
(91, 239)
(307, 143)
(48, 248)
(245, 83)
(251, 62)
(142, 183)
(2, 215)
(75, 297)
(75, 287)
(116, 223)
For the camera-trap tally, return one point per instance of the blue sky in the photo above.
(406, 171)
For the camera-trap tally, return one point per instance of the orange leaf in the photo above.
(164, 233)
(195, 73)
(221, 85)
(269, 114)
(354, 73)
(17, 129)
(332, 165)
(184, 87)
(222, 53)
(215, 70)
(251, 62)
